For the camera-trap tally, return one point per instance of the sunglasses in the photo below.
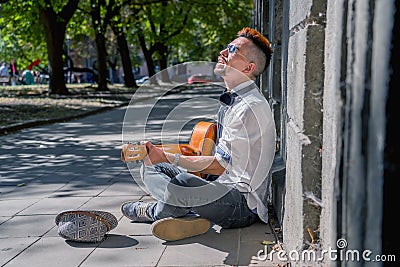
(233, 48)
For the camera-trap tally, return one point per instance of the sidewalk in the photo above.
(76, 165)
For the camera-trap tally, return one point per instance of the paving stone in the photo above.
(251, 245)
(32, 190)
(216, 247)
(82, 187)
(107, 203)
(53, 252)
(125, 226)
(60, 177)
(14, 176)
(4, 219)
(55, 205)
(4, 190)
(126, 188)
(27, 226)
(11, 247)
(10, 207)
(126, 251)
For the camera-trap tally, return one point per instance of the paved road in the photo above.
(76, 165)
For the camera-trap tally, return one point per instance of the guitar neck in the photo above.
(136, 152)
(202, 142)
(133, 152)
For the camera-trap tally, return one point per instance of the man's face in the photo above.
(232, 58)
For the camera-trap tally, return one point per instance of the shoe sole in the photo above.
(173, 229)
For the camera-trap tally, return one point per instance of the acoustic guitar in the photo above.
(202, 143)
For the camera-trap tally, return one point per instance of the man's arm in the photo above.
(205, 164)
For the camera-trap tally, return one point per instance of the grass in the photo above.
(25, 103)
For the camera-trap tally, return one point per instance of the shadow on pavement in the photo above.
(217, 239)
(111, 241)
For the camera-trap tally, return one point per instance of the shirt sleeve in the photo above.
(222, 155)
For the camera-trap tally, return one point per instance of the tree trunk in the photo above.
(129, 78)
(113, 66)
(54, 33)
(149, 61)
(163, 51)
(100, 45)
(164, 72)
(101, 62)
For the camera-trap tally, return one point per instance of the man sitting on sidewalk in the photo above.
(187, 204)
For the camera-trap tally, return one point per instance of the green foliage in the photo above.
(191, 30)
(22, 36)
(209, 26)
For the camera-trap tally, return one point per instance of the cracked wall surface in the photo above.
(334, 73)
(305, 88)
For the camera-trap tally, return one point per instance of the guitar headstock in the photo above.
(133, 152)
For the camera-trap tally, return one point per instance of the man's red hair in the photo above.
(259, 40)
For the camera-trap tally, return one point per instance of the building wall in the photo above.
(364, 85)
(304, 123)
(331, 114)
(334, 57)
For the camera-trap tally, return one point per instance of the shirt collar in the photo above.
(228, 98)
(240, 86)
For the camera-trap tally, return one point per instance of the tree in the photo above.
(177, 31)
(99, 25)
(54, 24)
(118, 28)
(105, 14)
(154, 31)
(51, 17)
(123, 48)
(21, 35)
(212, 24)
(168, 31)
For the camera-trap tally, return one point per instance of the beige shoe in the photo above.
(172, 229)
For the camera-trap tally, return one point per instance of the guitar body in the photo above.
(203, 137)
(202, 143)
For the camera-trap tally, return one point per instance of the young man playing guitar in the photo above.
(187, 204)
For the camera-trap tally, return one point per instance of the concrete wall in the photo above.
(305, 89)
(334, 59)
(331, 106)
(364, 83)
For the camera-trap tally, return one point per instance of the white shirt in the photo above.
(246, 147)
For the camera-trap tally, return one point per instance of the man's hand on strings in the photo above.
(155, 154)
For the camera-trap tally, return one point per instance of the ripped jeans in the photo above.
(179, 193)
